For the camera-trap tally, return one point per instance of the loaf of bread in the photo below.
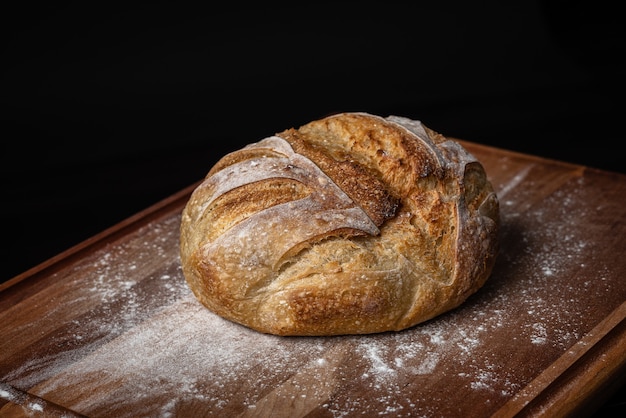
(351, 224)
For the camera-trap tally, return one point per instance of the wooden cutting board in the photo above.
(109, 328)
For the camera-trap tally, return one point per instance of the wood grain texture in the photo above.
(109, 327)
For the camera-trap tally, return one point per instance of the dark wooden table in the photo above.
(109, 327)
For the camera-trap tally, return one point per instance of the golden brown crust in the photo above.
(363, 187)
(351, 224)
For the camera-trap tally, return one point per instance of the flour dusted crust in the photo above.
(351, 224)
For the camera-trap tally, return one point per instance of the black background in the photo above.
(107, 110)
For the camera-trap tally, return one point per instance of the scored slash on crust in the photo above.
(326, 209)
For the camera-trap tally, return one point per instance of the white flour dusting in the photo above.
(6, 395)
(153, 338)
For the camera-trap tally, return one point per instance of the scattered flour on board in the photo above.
(559, 286)
(174, 343)
(171, 342)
